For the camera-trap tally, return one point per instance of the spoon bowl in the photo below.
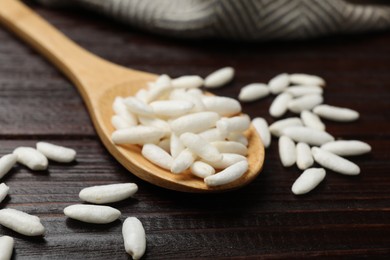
(99, 82)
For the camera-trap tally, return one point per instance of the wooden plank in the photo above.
(345, 217)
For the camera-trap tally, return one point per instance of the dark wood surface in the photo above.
(345, 217)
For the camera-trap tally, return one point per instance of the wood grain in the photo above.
(345, 217)
(99, 82)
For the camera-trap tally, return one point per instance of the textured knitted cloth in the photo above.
(240, 19)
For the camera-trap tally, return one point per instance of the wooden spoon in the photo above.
(99, 82)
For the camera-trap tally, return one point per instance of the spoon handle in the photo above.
(91, 74)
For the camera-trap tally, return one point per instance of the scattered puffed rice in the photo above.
(3, 191)
(334, 162)
(219, 77)
(92, 213)
(312, 120)
(347, 148)
(307, 135)
(6, 247)
(336, 113)
(134, 237)
(279, 105)
(21, 222)
(31, 158)
(297, 91)
(56, 153)
(110, 193)
(262, 129)
(191, 81)
(287, 151)
(304, 156)
(6, 163)
(279, 83)
(276, 128)
(308, 180)
(306, 102)
(253, 92)
(306, 79)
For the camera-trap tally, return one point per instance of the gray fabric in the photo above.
(240, 19)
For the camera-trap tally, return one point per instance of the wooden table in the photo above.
(344, 217)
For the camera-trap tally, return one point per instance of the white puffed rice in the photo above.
(230, 147)
(95, 214)
(3, 191)
(156, 123)
(202, 169)
(279, 83)
(308, 180)
(304, 156)
(6, 247)
(157, 156)
(238, 137)
(171, 108)
(253, 92)
(219, 77)
(287, 151)
(297, 91)
(306, 102)
(277, 127)
(200, 147)
(138, 106)
(134, 237)
(194, 123)
(56, 152)
(120, 123)
(183, 161)
(334, 162)
(121, 110)
(6, 163)
(176, 146)
(334, 113)
(138, 135)
(347, 147)
(233, 124)
(189, 96)
(311, 120)
(109, 193)
(306, 79)
(227, 160)
(31, 158)
(21, 222)
(307, 135)
(262, 129)
(279, 105)
(227, 175)
(212, 135)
